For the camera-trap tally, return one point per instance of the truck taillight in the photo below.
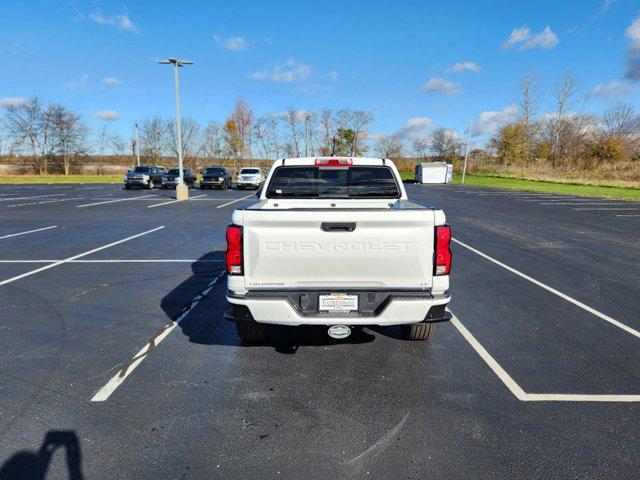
(233, 257)
(442, 264)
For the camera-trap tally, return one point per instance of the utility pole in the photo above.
(307, 118)
(466, 154)
(137, 146)
(182, 192)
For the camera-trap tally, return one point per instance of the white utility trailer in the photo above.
(435, 172)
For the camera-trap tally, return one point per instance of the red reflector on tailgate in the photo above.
(442, 264)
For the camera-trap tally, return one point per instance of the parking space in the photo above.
(112, 327)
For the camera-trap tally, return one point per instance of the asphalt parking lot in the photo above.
(116, 362)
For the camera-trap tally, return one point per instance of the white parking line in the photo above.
(511, 384)
(29, 198)
(114, 201)
(584, 203)
(564, 296)
(623, 215)
(612, 208)
(66, 260)
(517, 390)
(105, 392)
(174, 201)
(57, 200)
(28, 231)
(234, 201)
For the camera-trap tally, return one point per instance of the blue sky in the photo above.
(396, 59)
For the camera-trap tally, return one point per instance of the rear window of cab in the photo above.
(319, 182)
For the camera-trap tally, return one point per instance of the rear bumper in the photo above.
(243, 184)
(136, 182)
(377, 308)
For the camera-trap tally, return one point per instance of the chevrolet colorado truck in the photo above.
(336, 242)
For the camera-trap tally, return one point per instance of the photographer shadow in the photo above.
(33, 465)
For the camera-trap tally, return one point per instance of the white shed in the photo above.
(436, 172)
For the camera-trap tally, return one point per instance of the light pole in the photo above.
(307, 117)
(137, 145)
(181, 192)
(466, 154)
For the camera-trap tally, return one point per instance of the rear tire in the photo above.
(251, 332)
(127, 187)
(418, 331)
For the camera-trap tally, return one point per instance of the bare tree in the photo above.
(153, 134)
(388, 146)
(213, 140)
(620, 122)
(190, 129)
(439, 143)
(421, 147)
(118, 144)
(445, 144)
(360, 120)
(565, 93)
(528, 108)
(327, 132)
(292, 118)
(69, 135)
(265, 132)
(26, 125)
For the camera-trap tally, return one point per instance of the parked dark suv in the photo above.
(170, 179)
(215, 177)
(146, 176)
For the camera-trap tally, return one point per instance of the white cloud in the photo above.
(633, 56)
(614, 89)
(545, 40)
(79, 84)
(440, 85)
(121, 21)
(633, 33)
(12, 101)
(416, 127)
(111, 81)
(233, 44)
(107, 115)
(333, 75)
(288, 71)
(489, 121)
(517, 35)
(607, 4)
(462, 66)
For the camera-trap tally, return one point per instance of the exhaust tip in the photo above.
(339, 331)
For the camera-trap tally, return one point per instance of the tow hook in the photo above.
(339, 331)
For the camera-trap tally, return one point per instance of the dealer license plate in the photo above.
(337, 302)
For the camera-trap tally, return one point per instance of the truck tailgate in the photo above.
(306, 249)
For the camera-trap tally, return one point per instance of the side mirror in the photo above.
(259, 192)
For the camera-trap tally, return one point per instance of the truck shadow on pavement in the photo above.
(205, 325)
(33, 465)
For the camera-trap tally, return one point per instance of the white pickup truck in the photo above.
(336, 242)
